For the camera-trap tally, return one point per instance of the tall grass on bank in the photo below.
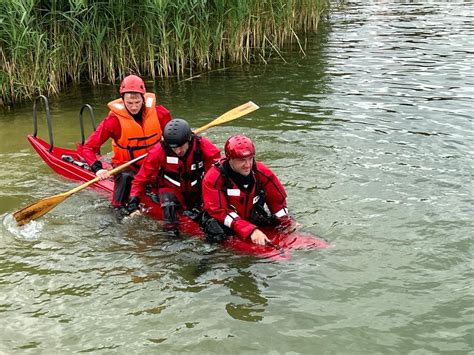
(48, 44)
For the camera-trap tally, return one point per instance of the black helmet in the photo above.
(177, 132)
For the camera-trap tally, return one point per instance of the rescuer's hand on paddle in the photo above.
(259, 238)
(103, 174)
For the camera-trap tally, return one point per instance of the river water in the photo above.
(372, 135)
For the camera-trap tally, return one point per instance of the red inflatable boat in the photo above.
(70, 164)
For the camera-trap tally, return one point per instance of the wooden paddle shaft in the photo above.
(96, 179)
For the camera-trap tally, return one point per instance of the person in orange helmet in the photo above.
(135, 124)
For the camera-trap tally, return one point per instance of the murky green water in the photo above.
(371, 133)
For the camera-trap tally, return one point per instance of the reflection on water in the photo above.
(371, 134)
(245, 287)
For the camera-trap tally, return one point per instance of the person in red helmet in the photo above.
(134, 123)
(235, 191)
(177, 165)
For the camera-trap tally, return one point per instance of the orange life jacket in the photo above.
(135, 139)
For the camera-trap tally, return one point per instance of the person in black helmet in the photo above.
(177, 165)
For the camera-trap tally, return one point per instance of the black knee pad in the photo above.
(168, 198)
(170, 205)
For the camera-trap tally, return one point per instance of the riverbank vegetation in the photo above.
(49, 44)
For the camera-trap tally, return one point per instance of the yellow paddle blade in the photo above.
(231, 115)
(37, 209)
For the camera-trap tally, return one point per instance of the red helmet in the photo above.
(239, 146)
(132, 83)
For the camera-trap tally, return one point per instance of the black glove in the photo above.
(96, 166)
(213, 231)
(194, 214)
(133, 204)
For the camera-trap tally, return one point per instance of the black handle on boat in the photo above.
(276, 247)
(48, 119)
(81, 120)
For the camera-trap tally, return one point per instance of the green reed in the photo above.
(49, 44)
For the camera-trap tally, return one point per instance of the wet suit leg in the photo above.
(123, 184)
(170, 206)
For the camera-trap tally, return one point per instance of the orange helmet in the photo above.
(239, 146)
(132, 83)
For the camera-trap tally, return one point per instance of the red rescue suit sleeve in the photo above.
(164, 116)
(275, 194)
(210, 153)
(108, 128)
(216, 205)
(148, 170)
